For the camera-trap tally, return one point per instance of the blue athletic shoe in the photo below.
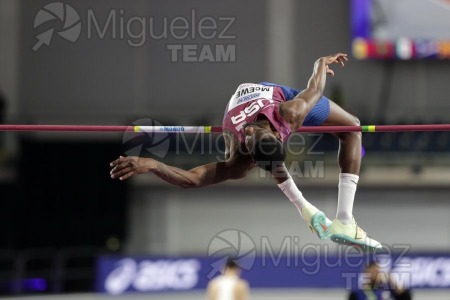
(317, 221)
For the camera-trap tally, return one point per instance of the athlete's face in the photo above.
(373, 273)
(254, 133)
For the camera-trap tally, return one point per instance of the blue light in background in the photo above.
(35, 284)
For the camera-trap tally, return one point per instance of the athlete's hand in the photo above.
(339, 58)
(125, 167)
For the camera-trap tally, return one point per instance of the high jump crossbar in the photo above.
(218, 129)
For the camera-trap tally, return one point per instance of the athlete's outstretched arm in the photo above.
(125, 167)
(296, 110)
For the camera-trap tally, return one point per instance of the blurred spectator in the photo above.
(228, 286)
(377, 285)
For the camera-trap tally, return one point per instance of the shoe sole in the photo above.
(319, 223)
(345, 240)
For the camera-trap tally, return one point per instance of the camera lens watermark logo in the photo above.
(231, 244)
(192, 37)
(69, 29)
(146, 143)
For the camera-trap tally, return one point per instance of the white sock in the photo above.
(290, 189)
(346, 197)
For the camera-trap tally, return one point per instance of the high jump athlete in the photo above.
(258, 119)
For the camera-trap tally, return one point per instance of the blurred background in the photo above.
(67, 228)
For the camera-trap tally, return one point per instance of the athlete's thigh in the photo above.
(339, 117)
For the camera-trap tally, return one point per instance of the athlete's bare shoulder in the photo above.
(242, 289)
(212, 289)
(293, 112)
(242, 285)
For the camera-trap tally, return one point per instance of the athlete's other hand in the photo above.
(338, 58)
(125, 167)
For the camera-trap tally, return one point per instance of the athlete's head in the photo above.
(232, 267)
(264, 145)
(231, 264)
(372, 274)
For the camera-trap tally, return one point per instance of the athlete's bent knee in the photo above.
(351, 136)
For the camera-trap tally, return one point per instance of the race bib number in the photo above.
(248, 92)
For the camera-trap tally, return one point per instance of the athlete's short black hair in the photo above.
(268, 153)
(231, 263)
